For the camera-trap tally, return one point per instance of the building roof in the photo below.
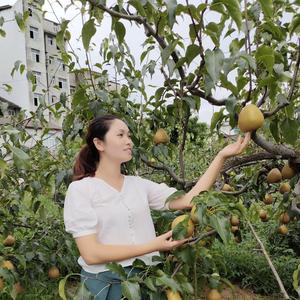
(10, 104)
(4, 7)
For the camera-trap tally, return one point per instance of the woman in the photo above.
(108, 213)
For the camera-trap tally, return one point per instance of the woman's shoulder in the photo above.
(83, 183)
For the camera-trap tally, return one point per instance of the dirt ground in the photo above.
(242, 294)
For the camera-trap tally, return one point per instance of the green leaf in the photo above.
(186, 254)
(171, 7)
(217, 117)
(2, 32)
(87, 32)
(21, 20)
(191, 52)
(213, 63)
(149, 282)
(180, 230)
(221, 225)
(120, 31)
(61, 286)
(295, 24)
(165, 280)
(60, 35)
(274, 129)
(117, 269)
(166, 52)
(289, 129)
(265, 55)
(131, 290)
(3, 167)
(138, 6)
(234, 10)
(158, 93)
(267, 7)
(19, 153)
(296, 280)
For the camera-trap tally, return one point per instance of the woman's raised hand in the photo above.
(236, 148)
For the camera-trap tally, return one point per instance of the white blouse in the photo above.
(92, 206)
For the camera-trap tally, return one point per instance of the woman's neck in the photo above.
(109, 171)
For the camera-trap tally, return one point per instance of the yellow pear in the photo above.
(161, 137)
(283, 229)
(250, 118)
(194, 217)
(234, 229)
(7, 264)
(173, 295)
(227, 188)
(214, 295)
(53, 272)
(268, 199)
(9, 241)
(284, 218)
(274, 176)
(263, 214)
(234, 220)
(284, 188)
(190, 226)
(287, 172)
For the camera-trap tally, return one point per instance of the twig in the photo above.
(281, 286)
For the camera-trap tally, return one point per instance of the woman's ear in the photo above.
(98, 144)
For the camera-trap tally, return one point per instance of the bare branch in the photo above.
(164, 168)
(279, 281)
(263, 98)
(209, 99)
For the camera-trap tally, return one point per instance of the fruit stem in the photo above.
(281, 286)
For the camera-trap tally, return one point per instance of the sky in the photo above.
(134, 37)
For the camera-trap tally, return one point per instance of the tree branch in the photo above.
(281, 150)
(143, 21)
(209, 99)
(292, 88)
(281, 286)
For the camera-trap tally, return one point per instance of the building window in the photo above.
(37, 76)
(53, 99)
(33, 32)
(61, 65)
(50, 40)
(36, 99)
(30, 12)
(72, 90)
(62, 83)
(35, 55)
(50, 60)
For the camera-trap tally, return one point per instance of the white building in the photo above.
(36, 49)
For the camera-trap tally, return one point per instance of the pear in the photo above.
(234, 220)
(274, 176)
(287, 172)
(53, 272)
(227, 188)
(284, 188)
(9, 241)
(161, 137)
(284, 218)
(268, 199)
(250, 118)
(263, 215)
(283, 229)
(190, 225)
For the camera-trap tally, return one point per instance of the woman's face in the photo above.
(117, 144)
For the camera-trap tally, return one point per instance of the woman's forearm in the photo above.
(97, 253)
(203, 184)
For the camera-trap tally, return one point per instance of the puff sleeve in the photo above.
(157, 194)
(79, 216)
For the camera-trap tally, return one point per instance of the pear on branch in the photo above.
(250, 118)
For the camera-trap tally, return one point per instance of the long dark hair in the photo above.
(88, 157)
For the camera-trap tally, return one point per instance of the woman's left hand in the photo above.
(237, 147)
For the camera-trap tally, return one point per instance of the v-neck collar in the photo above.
(110, 186)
